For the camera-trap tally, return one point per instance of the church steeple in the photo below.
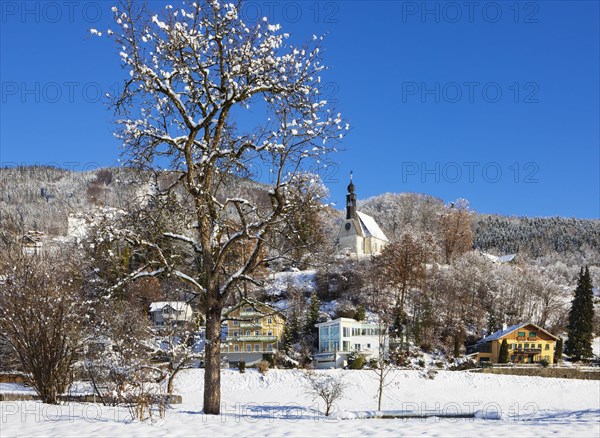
(351, 201)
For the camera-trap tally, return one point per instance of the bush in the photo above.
(373, 363)
(263, 366)
(356, 361)
(544, 363)
(270, 358)
(241, 366)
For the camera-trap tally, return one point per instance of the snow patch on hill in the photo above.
(281, 282)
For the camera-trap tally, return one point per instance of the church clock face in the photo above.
(348, 226)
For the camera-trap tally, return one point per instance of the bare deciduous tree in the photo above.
(193, 71)
(327, 387)
(42, 319)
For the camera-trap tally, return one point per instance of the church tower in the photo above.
(351, 201)
(359, 233)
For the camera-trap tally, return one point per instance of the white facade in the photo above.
(170, 312)
(343, 336)
(359, 233)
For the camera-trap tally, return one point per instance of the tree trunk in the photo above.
(212, 363)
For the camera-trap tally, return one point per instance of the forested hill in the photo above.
(535, 237)
(41, 198)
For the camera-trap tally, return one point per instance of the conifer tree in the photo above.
(503, 355)
(312, 314)
(579, 342)
(361, 313)
(558, 351)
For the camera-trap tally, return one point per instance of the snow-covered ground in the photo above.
(281, 282)
(277, 405)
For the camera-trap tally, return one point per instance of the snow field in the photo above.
(277, 404)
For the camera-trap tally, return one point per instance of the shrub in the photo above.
(270, 358)
(263, 366)
(373, 363)
(241, 366)
(544, 363)
(356, 361)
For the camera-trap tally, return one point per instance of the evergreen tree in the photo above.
(361, 313)
(312, 314)
(558, 351)
(579, 342)
(291, 330)
(503, 356)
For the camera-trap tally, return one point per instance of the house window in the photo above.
(540, 346)
(520, 346)
(512, 346)
(236, 333)
(236, 348)
(247, 332)
(357, 347)
(269, 347)
(368, 346)
(248, 309)
(269, 333)
(346, 346)
(346, 332)
(236, 323)
(532, 334)
(270, 321)
(256, 332)
(547, 346)
(526, 345)
(256, 347)
(521, 334)
(248, 347)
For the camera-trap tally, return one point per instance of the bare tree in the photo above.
(42, 320)
(327, 387)
(457, 231)
(193, 71)
(402, 265)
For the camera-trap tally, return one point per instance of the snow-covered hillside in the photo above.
(277, 404)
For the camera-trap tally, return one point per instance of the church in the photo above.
(359, 233)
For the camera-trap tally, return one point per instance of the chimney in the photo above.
(504, 326)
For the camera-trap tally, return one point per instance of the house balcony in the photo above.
(252, 314)
(251, 338)
(250, 324)
(527, 351)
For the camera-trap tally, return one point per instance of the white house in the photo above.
(359, 233)
(170, 312)
(343, 336)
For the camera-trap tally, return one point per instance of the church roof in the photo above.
(369, 227)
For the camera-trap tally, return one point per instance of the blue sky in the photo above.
(495, 102)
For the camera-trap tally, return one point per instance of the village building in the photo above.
(339, 338)
(250, 330)
(359, 233)
(527, 343)
(170, 313)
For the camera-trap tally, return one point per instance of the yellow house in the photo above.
(527, 343)
(251, 329)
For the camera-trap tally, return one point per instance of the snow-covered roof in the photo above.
(503, 332)
(180, 306)
(500, 259)
(369, 227)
